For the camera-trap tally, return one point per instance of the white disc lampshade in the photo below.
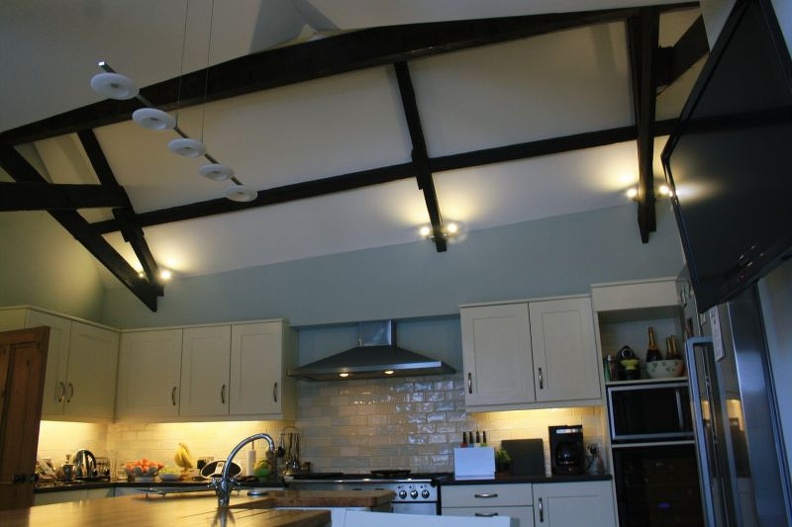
(187, 147)
(240, 193)
(114, 86)
(216, 171)
(153, 119)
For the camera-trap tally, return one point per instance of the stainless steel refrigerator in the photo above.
(742, 459)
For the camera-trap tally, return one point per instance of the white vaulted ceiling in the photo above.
(552, 85)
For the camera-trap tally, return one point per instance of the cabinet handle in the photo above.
(71, 393)
(222, 394)
(62, 395)
(541, 511)
(173, 396)
(486, 514)
(275, 392)
(486, 495)
(470, 383)
(541, 379)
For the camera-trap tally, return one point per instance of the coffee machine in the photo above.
(566, 450)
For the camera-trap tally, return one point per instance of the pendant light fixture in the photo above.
(116, 86)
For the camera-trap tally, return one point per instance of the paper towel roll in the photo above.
(251, 461)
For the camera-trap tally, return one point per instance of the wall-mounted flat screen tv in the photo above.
(729, 160)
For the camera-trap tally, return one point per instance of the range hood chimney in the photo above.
(375, 357)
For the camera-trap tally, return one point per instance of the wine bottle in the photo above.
(673, 352)
(652, 352)
(464, 443)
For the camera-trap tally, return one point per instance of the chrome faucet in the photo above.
(223, 484)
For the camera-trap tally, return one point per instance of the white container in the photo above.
(474, 463)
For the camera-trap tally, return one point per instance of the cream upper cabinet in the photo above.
(209, 372)
(574, 504)
(566, 363)
(497, 357)
(149, 374)
(80, 381)
(205, 366)
(530, 354)
(261, 354)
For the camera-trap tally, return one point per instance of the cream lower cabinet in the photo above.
(512, 500)
(558, 504)
(63, 496)
(82, 358)
(588, 503)
(530, 354)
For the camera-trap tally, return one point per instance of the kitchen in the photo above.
(429, 299)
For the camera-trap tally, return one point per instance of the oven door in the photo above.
(429, 508)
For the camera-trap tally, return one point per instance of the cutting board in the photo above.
(527, 456)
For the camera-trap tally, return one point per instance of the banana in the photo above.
(183, 458)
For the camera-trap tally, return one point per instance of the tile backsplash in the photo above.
(348, 426)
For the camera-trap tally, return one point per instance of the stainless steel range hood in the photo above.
(376, 357)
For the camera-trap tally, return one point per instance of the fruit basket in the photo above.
(142, 469)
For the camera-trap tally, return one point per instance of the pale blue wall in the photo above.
(43, 265)
(556, 256)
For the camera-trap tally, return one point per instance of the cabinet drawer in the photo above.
(495, 495)
(524, 514)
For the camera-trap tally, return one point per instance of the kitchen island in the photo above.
(195, 510)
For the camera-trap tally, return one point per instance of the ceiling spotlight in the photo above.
(240, 193)
(632, 193)
(216, 172)
(187, 147)
(114, 86)
(165, 274)
(665, 191)
(153, 119)
(449, 231)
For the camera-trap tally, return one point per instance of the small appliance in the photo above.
(566, 450)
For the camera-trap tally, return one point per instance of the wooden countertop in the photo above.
(194, 510)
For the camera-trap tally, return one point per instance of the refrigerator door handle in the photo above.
(698, 425)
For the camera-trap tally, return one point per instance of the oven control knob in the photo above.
(413, 494)
(402, 494)
(425, 494)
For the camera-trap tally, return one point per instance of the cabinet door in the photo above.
(257, 368)
(496, 351)
(204, 371)
(524, 515)
(57, 360)
(566, 366)
(91, 374)
(148, 374)
(574, 504)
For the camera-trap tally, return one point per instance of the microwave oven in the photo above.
(650, 412)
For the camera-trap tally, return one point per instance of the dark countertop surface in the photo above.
(156, 484)
(526, 478)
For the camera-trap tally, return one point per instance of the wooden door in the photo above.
(23, 363)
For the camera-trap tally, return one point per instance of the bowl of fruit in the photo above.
(168, 473)
(142, 469)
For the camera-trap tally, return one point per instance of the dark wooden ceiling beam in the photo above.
(674, 61)
(47, 196)
(419, 154)
(22, 171)
(316, 59)
(642, 37)
(124, 215)
(378, 176)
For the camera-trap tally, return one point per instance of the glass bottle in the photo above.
(652, 352)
